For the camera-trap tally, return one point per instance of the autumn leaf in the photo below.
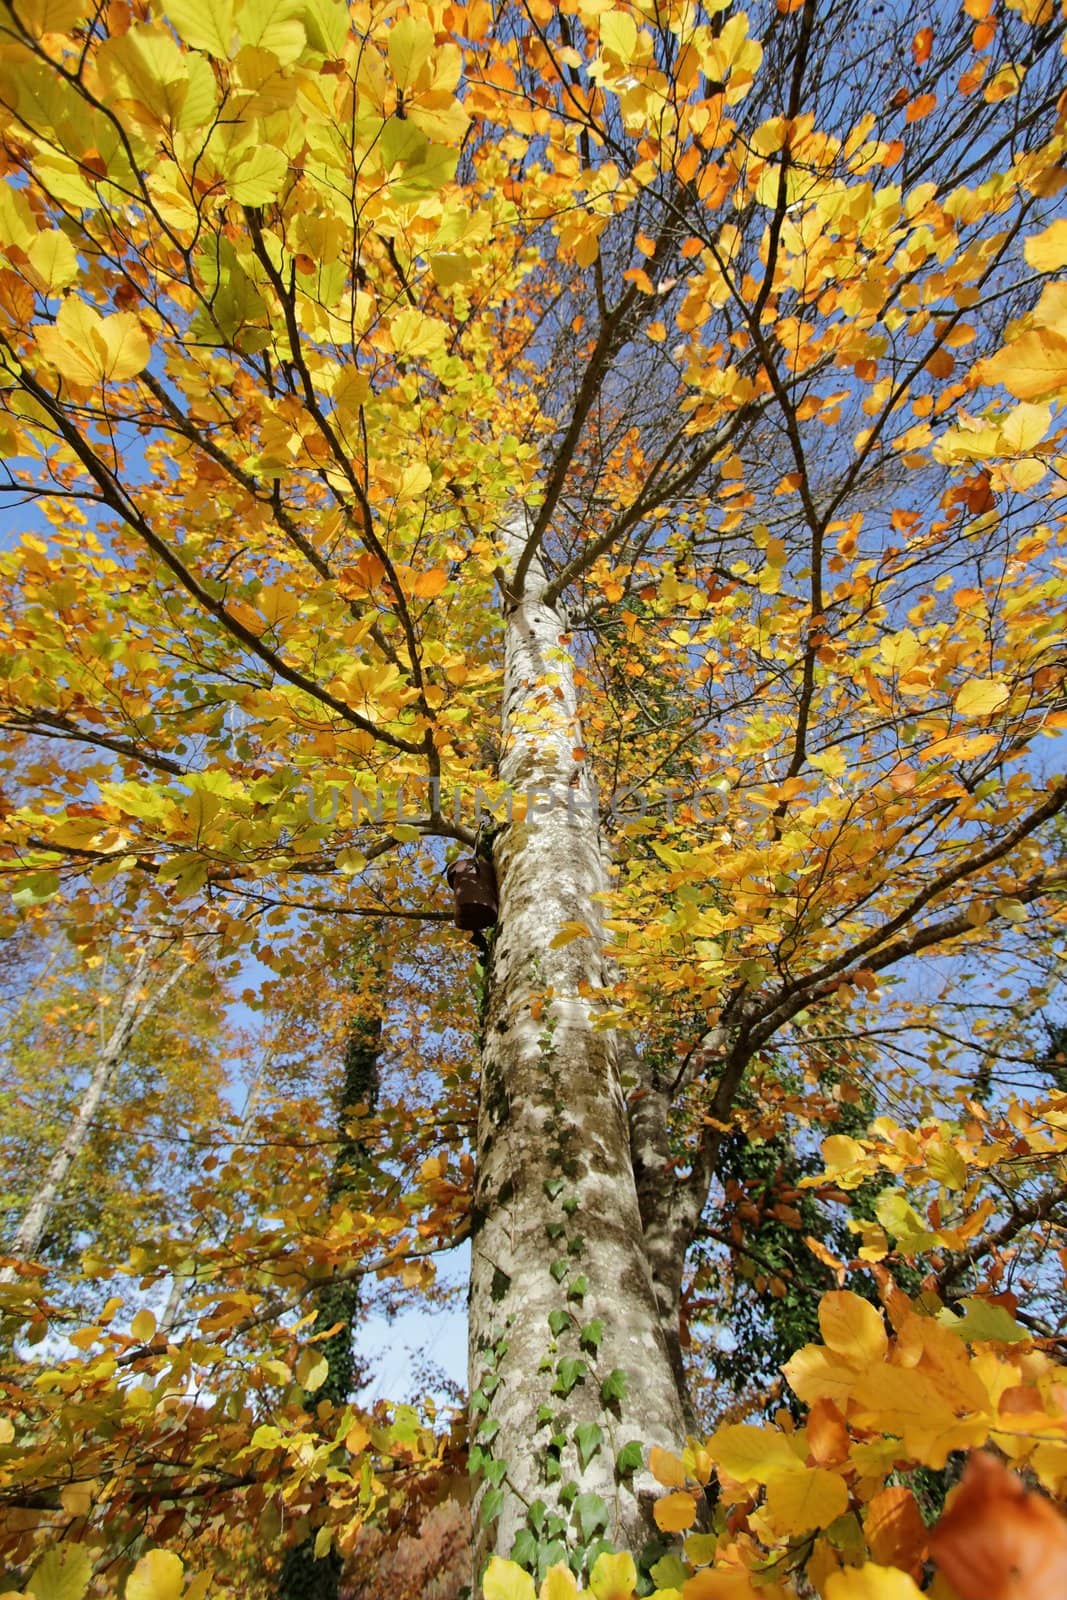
(852, 1328)
(981, 697)
(504, 1580)
(88, 349)
(1031, 367)
(157, 1576)
(997, 1540)
(675, 1512)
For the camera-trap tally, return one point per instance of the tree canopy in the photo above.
(619, 447)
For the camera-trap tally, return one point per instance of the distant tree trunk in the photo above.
(569, 1361)
(135, 1006)
(304, 1576)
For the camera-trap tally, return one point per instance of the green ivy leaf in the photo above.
(524, 1549)
(553, 1188)
(579, 1288)
(560, 1268)
(629, 1457)
(591, 1514)
(492, 1505)
(588, 1437)
(569, 1371)
(613, 1389)
(557, 1321)
(592, 1334)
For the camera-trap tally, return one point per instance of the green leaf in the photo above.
(670, 1572)
(579, 1288)
(569, 1371)
(492, 1505)
(591, 1515)
(553, 1188)
(613, 1389)
(560, 1268)
(592, 1334)
(550, 1555)
(524, 1549)
(984, 1321)
(588, 1436)
(629, 1458)
(36, 889)
(557, 1321)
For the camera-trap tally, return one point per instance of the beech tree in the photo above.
(645, 414)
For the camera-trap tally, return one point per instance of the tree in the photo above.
(95, 1029)
(585, 400)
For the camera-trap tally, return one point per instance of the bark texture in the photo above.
(569, 1362)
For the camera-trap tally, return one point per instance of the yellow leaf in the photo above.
(618, 36)
(7, 1430)
(666, 1469)
(415, 334)
(1031, 367)
(505, 1580)
(143, 1326)
(811, 1498)
(87, 348)
(272, 25)
(63, 1574)
(559, 1583)
(157, 1576)
(53, 260)
(312, 1370)
(204, 24)
(448, 269)
(871, 1582)
(614, 1577)
(39, 17)
(1047, 252)
(567, 935)
(981, 697)
(751, 1454)
(816, 1374)
(852, 1327)
(675, 1512)
(841, 1154)
(411, 44)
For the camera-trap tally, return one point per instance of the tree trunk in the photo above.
(134, 1008)
(568, 1359)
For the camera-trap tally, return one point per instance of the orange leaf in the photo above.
(997, 1541)
(427, 584)
(921, 107)
(895, 1531)
(675, 1512)
(922, 44)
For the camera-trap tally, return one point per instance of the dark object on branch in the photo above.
(473, 884)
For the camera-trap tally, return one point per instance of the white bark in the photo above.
(134, 1007)
(556, 1201)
